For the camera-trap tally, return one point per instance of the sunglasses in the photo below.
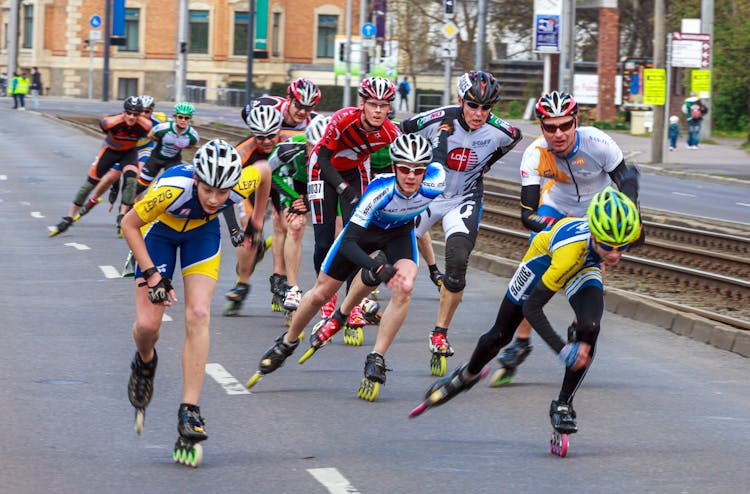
(564, 127)
(610, 248)
(132, 113)
(269, 137)
(474, 106)
(148, 111)
(183, 117)
(417, 170)
(300, 106)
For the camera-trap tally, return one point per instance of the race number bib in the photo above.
(522, 281)
(315, 190)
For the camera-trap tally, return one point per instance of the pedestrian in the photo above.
(674, 131)
(36, 87)
(694, 110)
(403, 91)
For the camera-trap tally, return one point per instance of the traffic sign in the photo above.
(95, 21)
(700, 82)
(450, 30)
(95, 35)
(691, 50)
(368, 30)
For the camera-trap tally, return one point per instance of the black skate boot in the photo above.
(119, 229)
(510, 359)
(563, 419)
(446, 388)
(436, 276)
(141, 387)
(374, 376)
(236, 297)
(278, 289)
(83, 211)
(273, 359)
(62, 226)
(191, 427)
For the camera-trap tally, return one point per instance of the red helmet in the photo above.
(377, 88)
(556, 104)
(304, 91)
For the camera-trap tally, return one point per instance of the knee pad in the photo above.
(457, 251)
(83, 192)
(129, 189)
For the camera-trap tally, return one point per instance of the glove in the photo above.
(237, 236)
(298, 206)
(569, 354)
(385, 272)
(159, 293)
(447, 126)
(349, 196)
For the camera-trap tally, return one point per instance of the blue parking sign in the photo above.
(95, 21)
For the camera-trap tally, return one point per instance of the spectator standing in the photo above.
(19, 89)
(403, 92)
(674, 131)
(694, 110)
(36, 87)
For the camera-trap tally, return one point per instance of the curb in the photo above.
(632, 306)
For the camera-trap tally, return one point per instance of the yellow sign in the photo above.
(450, 30)
(700, 82)
(654, 86)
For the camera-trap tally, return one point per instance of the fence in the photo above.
(217, 95)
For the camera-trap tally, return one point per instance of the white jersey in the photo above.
(570, 182)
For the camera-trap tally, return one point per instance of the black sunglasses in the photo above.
(552, 128)
(474, 106)
(302, 107)
(132, 113)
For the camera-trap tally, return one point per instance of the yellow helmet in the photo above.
(613, 218)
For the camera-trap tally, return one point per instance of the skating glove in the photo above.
(569, 354)
(348, 194)
(237, 236)
(385, 272)
(159, 293)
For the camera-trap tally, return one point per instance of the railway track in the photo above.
(698, 265)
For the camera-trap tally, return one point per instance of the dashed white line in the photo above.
(226, 380)
(78, 246)
(684, 194)
(166, 318)
(333, 480)
(3, 177)
(37, 214)
(743, 204)
(110, 272)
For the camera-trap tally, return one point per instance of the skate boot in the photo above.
(436, 277)
(119, 229)
(273, 359)
(328, 308)
(93, 201)
(292, 298)
(236, 297)
(510, 359)
(278, 290)
(141, 387)
(447, 388)
(322, 334)
(353, 333)
(128, 270)
(563, 419)
(374, 376)
(62, 226)
(191, 427)
(370, 311)
(440, 349)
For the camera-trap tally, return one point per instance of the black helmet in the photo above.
(133, 103)
(478, 87)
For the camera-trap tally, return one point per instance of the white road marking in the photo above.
(333, 480)
(36, 214)
(110, 272)
(166, 318)
(743, 204)
(78, 246)
(226, 380)
(3, 177)
(684, 194)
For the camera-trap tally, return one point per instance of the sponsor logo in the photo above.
(523, 277)
(459, 159)
(481, 143)
(580, 162)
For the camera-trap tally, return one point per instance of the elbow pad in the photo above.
(627, 177)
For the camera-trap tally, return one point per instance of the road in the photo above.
(657, 413)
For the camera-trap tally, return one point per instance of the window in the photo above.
(276, 34)
(327, 25)
(198, 31)
(28, 26)
(126, 87)
(240, 33)
(132, 17)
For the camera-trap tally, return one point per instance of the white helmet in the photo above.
(263, 120)
(218, 164)
(316, 128)
(411, 148)
(147, 101)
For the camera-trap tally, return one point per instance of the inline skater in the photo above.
(383, 220)
(566, 256)
(296, 109)
(118, 151)
(575, 163)
(478, 139)
(181, 210)
(264, 123)
(338, 169)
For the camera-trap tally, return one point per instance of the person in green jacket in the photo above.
(19, 89)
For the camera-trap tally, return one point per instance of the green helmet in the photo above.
(613, 218)
(184, 108)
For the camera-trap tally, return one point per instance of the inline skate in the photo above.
(322, 334)
(84, 210)
(273, 359)
(191, 427)
(563, 419)
(119, 228)
(236, 297)
(278, 291)
(440, 349)
(374, 377)
(510, 359)
(370, 310)
(446, 388)
(141, 387)
(292, 298)
(62, 226)
(354, 333)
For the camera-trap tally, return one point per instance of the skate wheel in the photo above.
(354, 336)
(438, 365)
(140, 416)
(231, 309)
(188, 454)
(253, 380)
(558, 445)
(418, 410)
(500, 377)
(307, 355)
(368, 390)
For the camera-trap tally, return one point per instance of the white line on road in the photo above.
(684, 194)
(78, 246)
(3, 177)
(742, 204)
(226, 380)
(110, 272)
(37, 214)
(333, 480)
(166, 318)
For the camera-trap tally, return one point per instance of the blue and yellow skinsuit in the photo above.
(176, 221)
